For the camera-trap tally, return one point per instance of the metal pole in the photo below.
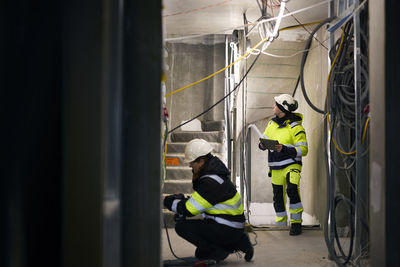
(330, 181)
(361, 174)
(248, 165)
(227, 106)
(234, 164)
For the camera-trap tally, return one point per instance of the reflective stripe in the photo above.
(174, 205)
(281, 223)
(281, 214)
(298, 149)
(281, 163)
(196, 205)
(301, 144)
(223, 206)
(289, 145)
(295, 206)
(231, 206)
(215, 177)
(295, 216)
(220, 220)
(294, 124)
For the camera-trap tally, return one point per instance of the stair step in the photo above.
(179, 147)
(181, 157)
(179, 173)
(213, 126)
(178, 186)
(214, 136)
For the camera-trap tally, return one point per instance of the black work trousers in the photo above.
(209, 236)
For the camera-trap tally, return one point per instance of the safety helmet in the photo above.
(196, 148)
(286, 101)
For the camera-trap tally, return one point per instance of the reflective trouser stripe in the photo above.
(295, 216)
(281, 218)
(220, 220)
(281, 223)
(295, 212)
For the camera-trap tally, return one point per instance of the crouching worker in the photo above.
(221, 232)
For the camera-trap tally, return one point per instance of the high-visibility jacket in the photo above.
(215, 197)
(290, 133)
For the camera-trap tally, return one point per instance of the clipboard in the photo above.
(269, 143)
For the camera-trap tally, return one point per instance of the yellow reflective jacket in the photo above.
(292, 135)
(214, 197)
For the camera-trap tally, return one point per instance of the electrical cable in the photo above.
(327, 99)
(250, 52)
(219, 101)
(303, 62)
(169, 242)
(215, 73)
(242, 26)
(340, 109)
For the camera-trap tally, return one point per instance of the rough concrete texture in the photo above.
(261, 189)
(313, 181)
(274, 248)
(269, 77)
(187, 64)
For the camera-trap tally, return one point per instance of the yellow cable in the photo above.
(300, 26)
(365, 130)
(327, 100)
(215, 73)
(245, 55)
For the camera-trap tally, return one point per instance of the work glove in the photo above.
(168, 200)
(261, 146)
(179, 217)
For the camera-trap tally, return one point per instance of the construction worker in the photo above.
(216, 199)
(285, 161)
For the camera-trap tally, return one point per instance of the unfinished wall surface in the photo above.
(188, 63)
(313, 181)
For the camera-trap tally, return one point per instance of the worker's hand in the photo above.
(168, 201)
(261, 146)
(279, 147)
(179, 196)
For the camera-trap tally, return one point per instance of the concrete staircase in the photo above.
(179, 175)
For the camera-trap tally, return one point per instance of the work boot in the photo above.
(246, 247)
(295, 229)
(211, 253)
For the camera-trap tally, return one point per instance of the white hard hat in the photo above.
(196, 148)
(287, 102)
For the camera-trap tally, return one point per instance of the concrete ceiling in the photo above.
(184, 19)
(190, 17)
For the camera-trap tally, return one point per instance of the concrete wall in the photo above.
(188, 63)
(313, 182)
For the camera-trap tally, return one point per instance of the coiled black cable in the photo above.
(303, 62)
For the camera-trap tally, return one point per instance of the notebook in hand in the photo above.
(269, 143)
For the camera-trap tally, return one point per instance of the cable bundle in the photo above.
(341, 108)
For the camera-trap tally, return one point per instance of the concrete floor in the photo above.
(274, 248)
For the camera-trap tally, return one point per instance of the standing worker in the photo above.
(285, 161)
(221, 232)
